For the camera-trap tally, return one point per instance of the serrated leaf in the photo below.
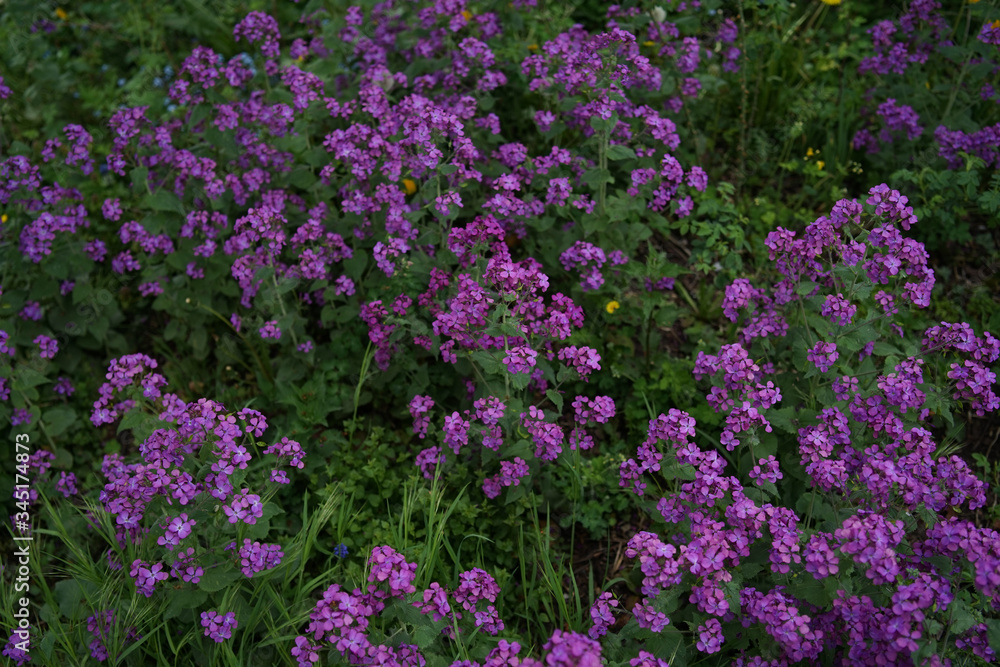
(556, 398)
(962, 618)
(425, 635)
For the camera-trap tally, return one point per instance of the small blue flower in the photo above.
(340, 551)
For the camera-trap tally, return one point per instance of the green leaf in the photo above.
(600, 124)
(595, 176)
(68, 593)
(488, 362)
(302, 178)
(619, 152)
(883, 349)
(58, 419)
(805, 287)
(806, 587)
(962, 618)
(48, 644)
(593, 222)
(188, 598)
(140, 423)
(425, 636)
(857, 339)
(139, 177)
(27, 377)
(993, 633)
(164, 200)
(217, 578)
(556, 398)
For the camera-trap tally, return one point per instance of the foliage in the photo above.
(324, 329)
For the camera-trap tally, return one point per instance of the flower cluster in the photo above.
(218, 626)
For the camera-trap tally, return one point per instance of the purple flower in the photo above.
(823, 355)
(270, 330)
(178, 528)
(435, 602)
(710, 636)
(520, 359)
(185, 569)
(838, 309)
(766, 470)
(569, 649)
(255, 557)
(95, 250)
(428, 460)
(66, 484)
(419, 407)
(19, 642)
(48, 347)
(544, 119)
(647, 617)
(475, 585)
(32, 311)
(245, 507)
(456, 431)
(819, 557)
(647, 659)
(217, 626)
(112, 209)
(389, 566)
(146, 576)
(260, 28)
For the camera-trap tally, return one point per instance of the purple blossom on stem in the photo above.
(823, 355)
(218, 626)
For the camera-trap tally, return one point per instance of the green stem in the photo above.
(281, 302)
(264, 369)
(357, 389)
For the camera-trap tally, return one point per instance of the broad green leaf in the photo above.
(164, 200)
(619, 152)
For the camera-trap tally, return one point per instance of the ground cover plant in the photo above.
(465, 333)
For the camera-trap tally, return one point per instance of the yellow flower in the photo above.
(300, 58)
(820, 164)
(995, 24)
(467, 14)
(810, 152)
(409, 185)
(61, 13)
(649, 43)
(3, 219)
(832, 3)
(532, 47)
(612, 306)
